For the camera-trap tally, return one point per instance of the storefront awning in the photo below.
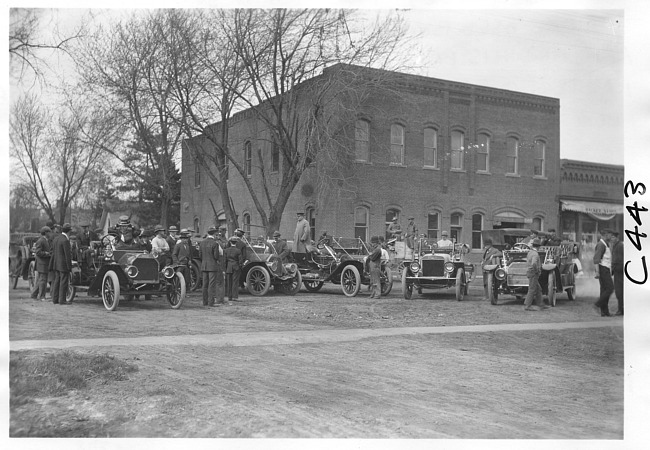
(598, 210)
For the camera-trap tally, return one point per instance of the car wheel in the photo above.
(551, 289)
(386, 281)
(110, 290)
(571, 292)
(195, 276)
(350, 280)
(176, 290)
(407, 288)
(312, 286)
(13, 278)
(32, 275)
(258, 281)
(460, 284)
(492, 289)
(70, 295)
(292, 287)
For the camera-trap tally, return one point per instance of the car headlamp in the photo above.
(132, 271)
(108, 252)
(449, 267)
(291, 268)
(415, 267)
(500, 273)
(168, 272)
(272, 265)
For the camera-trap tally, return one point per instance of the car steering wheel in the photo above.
(521, 246)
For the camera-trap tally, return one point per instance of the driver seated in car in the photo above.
(445, 242)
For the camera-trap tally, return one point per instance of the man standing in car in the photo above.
(300, 238)
(411, 232)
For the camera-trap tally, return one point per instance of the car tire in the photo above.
(293, 287)
(492, 293)
(407, 288)
(176, 290)
(460, 284)
(350, 280)
(110, 290)
(312, 286)
(70, 295)
(571, 293)
(552, 295)
(258, 281)
(387, 281)
(195, 276)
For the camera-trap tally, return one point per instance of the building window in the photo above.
(430, 147)
(540, 158)
(477, 226)
(197, 223)
(457, 138)
(483, 153)
(537, 224)
(197, 174)
(248, 159)
(362, 141)
(456, 223)
(275, 157)
(512, 156)
(361, 223)
(397, 145)
(390, 215)
(247, 225)
(311, 219)
(433, 225)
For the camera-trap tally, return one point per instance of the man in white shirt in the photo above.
(445, 242)
(160, 246)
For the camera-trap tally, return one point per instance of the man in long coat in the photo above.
(43, 254)
(211, 270)
(300, 238)
(61, 265)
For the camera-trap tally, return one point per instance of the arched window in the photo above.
(483, 153)
(433, 225)
(540, 159)
(248, 159)
(477, 226)
(512, 156)
(311, 219)
(361, 223)
(397, 144)
(456, 222)
(362, 141)
(247, 225)
(430, 147)
(457, 149)
(197, 223)
(537, 224)
(391, 213)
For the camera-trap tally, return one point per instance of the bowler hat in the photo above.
(123, 220)
(444, 233)
(239, 231)
(212, 230)
(374, 239)
(159, 228)
(66, 227)
(45, 229)
(300, 213)
(173, 228)
(276, 234)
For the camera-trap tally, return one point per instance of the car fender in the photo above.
(95, 286)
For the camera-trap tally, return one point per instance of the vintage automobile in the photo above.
(263, 268)
(437, 268)
(113, 272)
(342, 262)
(508, 276)
(21, 258)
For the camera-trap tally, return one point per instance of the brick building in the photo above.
(455, 156)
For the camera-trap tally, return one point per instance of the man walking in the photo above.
(43, 254)
(603, 262)
(616, 247)
(534, 270)
(300, 238)
(61, 265)
(234, 260)
(211, 270)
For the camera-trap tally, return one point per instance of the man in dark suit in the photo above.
(234, 262)
(182, 255)
(43, 254)
(61, 265)
(280, 247)
(211, 270)
(618, 264)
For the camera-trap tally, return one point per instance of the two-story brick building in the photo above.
(454, 156)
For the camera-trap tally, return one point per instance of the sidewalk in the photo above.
(300, 337)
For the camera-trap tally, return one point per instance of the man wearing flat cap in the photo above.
(618, 263)
(301, 238)
(61, 265)
(411, 232)
(211, 270)
(280, 247)
(43, 254)
(603, 264)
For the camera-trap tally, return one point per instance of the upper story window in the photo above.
(397, 145)
(275, 157)
(457, 147)
(540, 159)
(512, 155)
(430, 147)
(248, 159)
(361, 223)
(483, 153)
(362, 141)
(197, 174)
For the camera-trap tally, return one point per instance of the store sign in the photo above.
(600, 211)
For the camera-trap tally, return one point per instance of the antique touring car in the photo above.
(341, 262)
(21, 258)
(508, 276)
(437, 268)
(112, 272)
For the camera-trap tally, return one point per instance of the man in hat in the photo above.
(181, 254)
(172, 237)
(301, 238)
(280, 247)
(533, 271)
(603, 263)
(241, 241)
(395, 229)
(491, 256)
(618, 263)
(211, 270)
(374, 267)
(43, 253)
(160, 246)
(61, 265)
(324, 238)
(553, 239)
(234, 260)
(534, 234)
(411, 232)
(445, 242)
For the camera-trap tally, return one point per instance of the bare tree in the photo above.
(53, 161)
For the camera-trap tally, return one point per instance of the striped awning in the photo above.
(598, 210)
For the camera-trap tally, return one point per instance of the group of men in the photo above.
(608, 259)
(395, 231)
(53, 255)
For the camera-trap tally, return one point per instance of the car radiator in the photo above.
(433, 268)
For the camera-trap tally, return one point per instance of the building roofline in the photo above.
(575, 163)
